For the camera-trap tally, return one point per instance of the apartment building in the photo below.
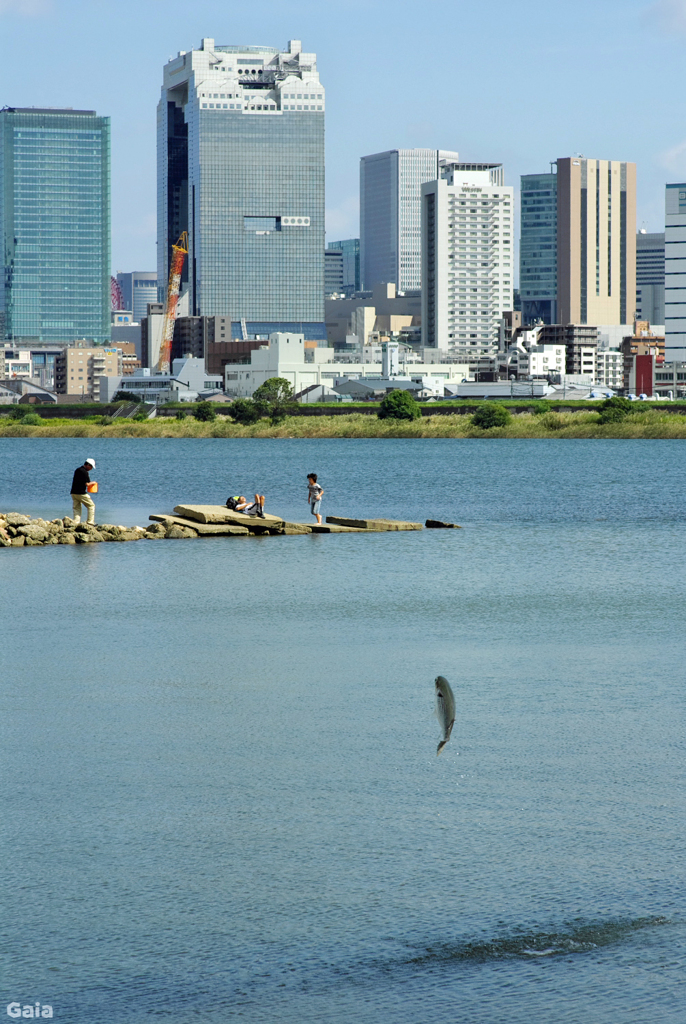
(78, 367)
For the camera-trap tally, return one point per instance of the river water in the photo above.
(221, 796)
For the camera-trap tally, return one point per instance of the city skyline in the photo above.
(484, 123)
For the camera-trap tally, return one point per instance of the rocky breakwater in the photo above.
(17, 531)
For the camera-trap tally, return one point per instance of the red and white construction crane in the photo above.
(179, 253)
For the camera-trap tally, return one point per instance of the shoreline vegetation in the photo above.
(643, 421)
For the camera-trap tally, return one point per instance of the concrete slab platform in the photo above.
(377, 525)
(293, 528)
(332, 528)
(221, 514)
(204, 529)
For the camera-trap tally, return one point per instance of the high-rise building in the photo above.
(333, 271)
(350, 250)
(538, 248)
(596, 241)
(675, 272)
(390, 214)
(650, 276)
(55, 224)
(467, 225)
(138, 289)
(241, 169)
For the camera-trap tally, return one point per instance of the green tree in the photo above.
(399, 405)
(274, 398)
(205, 412)
(490, 414)
(31, 419)
(125, 396)
(244, 410)
(615, 409)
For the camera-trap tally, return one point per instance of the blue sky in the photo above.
(517, 83)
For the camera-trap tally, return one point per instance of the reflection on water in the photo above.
(221, 794)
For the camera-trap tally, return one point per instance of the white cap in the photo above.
(91, 463)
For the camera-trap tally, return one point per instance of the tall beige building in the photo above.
(596, 241)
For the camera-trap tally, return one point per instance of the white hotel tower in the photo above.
(467, 222)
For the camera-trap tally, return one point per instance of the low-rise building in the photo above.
(643, 342)
(384, 310)
(543, 361)
(187, 382)
(581, 344)
(286, 356)
(670, 377)
(610, 368)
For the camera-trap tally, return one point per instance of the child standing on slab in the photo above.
(315, 494)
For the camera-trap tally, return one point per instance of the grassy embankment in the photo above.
(645, 422)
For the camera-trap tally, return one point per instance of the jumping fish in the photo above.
(445, 710)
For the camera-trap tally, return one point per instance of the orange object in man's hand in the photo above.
(92, 488)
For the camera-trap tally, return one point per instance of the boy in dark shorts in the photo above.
(315, 494)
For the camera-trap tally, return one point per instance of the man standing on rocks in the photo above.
(79, 491)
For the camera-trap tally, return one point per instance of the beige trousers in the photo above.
(83, 499)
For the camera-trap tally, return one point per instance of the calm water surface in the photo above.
(221, 795)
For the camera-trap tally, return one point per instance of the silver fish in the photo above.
(445, 710)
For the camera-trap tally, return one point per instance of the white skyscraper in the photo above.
(390, 214)
(675, 272)
(467, 226)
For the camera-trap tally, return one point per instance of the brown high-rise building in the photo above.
(596, 241)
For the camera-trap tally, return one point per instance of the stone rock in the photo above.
(66, 538)
(83, 538)
(31, 543)
(179, 533)
(156, 532)
(16, 519)
(438, 524)
(68, 522)
(18, 542)
(34, 532)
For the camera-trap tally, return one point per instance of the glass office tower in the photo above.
(391, 214)
(138, 288)
(55, 224)
(650, 276)
(241, 169)
(350, 249)
(538, 248)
